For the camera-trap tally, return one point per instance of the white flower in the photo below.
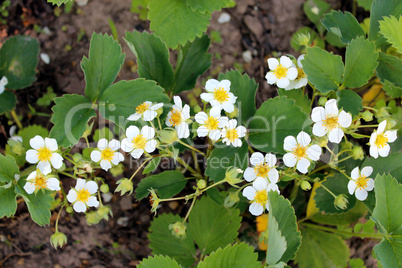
(379, 140)
(82, 195)
(211, 125)
(136, 141)
(258, 195)
(361, 183)
(177, 118)
(282, 71)
(263, 167)
(232, 134)
(38, 180)
(219, 95)
(13, 136)
(3, 83)
(146, 111)
(329, 121)
(107, 153)
(301, 79)
(44, 152)
(299, 152)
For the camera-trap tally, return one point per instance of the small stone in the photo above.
(123, 221)
(45, 58)
(247, 56)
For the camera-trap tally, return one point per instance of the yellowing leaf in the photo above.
(311, 207)
(373, 95)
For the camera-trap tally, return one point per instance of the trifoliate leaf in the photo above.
(389, 69)
(158, 261)
(344, 25)
(391, 29)
(276, 119)
(207, 5)
(102, 65)
(166, 184)
(71, 115)
(360, 63)
(163, 242)
(213, 226)
(237, 255)
(350, 101)
(297, 95)
(175, 22)
(7, 101)
(152, 57)
(323, 69)
(244, 88)
(388, 218)
(18, 60)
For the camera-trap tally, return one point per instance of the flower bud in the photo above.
(77, 157)
(117, 170)
(104, 212)
(154, 200)
(201, 184)
(233, 175)
(58, 240)
(92, 218)
(341, 202)
(168, 135)
(358, 153)
(303, 39)
(104, 188)
(69, 210)
(322, 101)
(159, 112)
(322, 141)
(16, 147)
(305, 185)
(231, 199)
(124, 186)
(234, 113)
(367, 116)
(88, 130)
(178, 230)
(197, 108)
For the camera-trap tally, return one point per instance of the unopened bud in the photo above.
(322, 141)
(92, 218)
(117, 170)
(88, 130)
(201, 184)
(124, 186)
(154, 200)
(367, 116)
(104, 188)
(358, 153)
(197, 108)
(231, 199)
(233, 175)
(16, 146)
(168, 135)
(69, 210)
(305, 185)
(178, 230)
(303, 39)
(341, 202)
(104, 212)
(159, 112)
(58, 240)
(322, 101)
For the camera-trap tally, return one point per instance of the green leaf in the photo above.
(392, 90)
(119, 101)
(337, 185)
(7, 101)
(321, 249)
(323, 69)
(18, 60)
(366, 4)
(8, 168)
(163, 242)
(152, 165)
(71, 115)
(244, 88)
(192, 61)
(282, 222)
(158, 261)
(391, 29)
(273, 121)
(27, 133)
(350, 101)
(207, 5)
(140, 7)
(152, 57)
(175, 22)
(103, 133)
(301, 99)
(334, 40)
(347, 218)
(59, 2)
(344, 25)
(223, 157)
(360, 63)
(213, 226)
(238, 255)
(389, 165)
(102, 65)
(380, 9)
(389, 69)
(166, 184)
(387, 216)
(8, 202)
(294, 42)
(315, 9)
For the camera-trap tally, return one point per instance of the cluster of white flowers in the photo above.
(285, 74)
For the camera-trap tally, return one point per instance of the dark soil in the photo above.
(259, 26)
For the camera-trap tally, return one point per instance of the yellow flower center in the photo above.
(232, 135)
(139, 142)
(300, 73)
(261, 170)
(107, 154)
(331, 122)
(40, 182)
(300, 151)
(142, 108)
(83, 195)
(362, 182)
(212, 123)
(280, 71)
(221, 95)
(175, 118)
(381, 140)
(261, 197)
(44, 154)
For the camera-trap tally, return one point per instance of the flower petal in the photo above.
(105, 165)
(318, 114)
(117, 157)
(391, 135)
(257, 159)
(215, 112)
(314, 152)
(370, 185)
(289, 143)
(29, 187)
(91, 186)
(283, 82)
(202, 131)
(96, 156)
(149, 115)
(150, 146)
(228, 107)
(79, 206)
(270, 159)
(126, 145)
(367, 171)
(285, 61)
(335, 135)
(272, 63)
(102, 144)
(384, 151)
(331, 109)
(303, 138)
(53, 184)
(319, 129)
(80, 184)
(177, 101)
(351, 187)
(207, 96)
(381, 127)
(92, 202)
(37, 142)
(241, 131)
(249, 174)
(237, 143)
(256, 209)
(72, 196)
(290, 160)
(201, 117)
(271, 78)
(292, 73)
(355, 174)
(211, 85)
(214, 134)
(302, 165)
(361, 194)
(51, 144)
(182, 130)
(344, 119)
(273, 175)
(114, 145)
(137, 153)
(132, 132)
(148, 132)
(374, 151)
(32, 156)
(134, 117)
(56, 160)
(273, 187)
(249, 193)
(186, 112)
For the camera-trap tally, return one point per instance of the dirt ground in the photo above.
(261, 27)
